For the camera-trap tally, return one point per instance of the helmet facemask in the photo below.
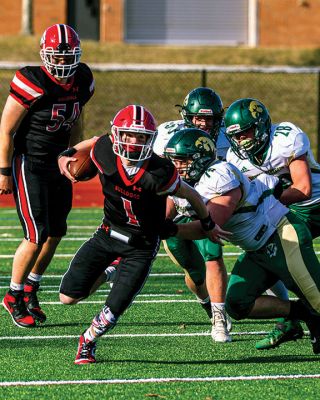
(132, 151)
(193, 146)
(216, 122)
(250, 148)
(133, 119)
(203, 102)
(242, 116)
(61, 70)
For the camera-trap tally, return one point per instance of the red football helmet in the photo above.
(60, 40)
(134, 119)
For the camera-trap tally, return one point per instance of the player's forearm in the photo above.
(294, 195)
(191, 231)
(85, 144)
(194, 198)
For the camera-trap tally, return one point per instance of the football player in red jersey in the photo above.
(136, 183)
(41, 118)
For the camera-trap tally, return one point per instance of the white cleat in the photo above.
(220, 323)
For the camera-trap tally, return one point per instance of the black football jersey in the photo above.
(135, 204)
(53, 108)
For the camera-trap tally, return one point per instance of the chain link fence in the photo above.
(290, 94)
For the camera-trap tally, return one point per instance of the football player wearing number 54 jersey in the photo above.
(41, 118)
(135, 183)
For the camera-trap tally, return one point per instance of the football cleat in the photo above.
(281, 333)
(16, 307)
(220, 331)
(86, 352)
(31, 301)
(314, 328)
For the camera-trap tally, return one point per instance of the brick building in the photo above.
(261, 23)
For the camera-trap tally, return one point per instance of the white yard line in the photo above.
(76, 227)
(133, 335)
(161, 380)
(71, 255)
(60, 276)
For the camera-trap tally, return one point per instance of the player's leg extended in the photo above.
(302, 275)
(59, 201)
(288, 255)
(216, 281)
(285, 329)
(132, 272)
(31, 200)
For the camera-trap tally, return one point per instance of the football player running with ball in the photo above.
(135, 183)
(205, 272)
(282, 150)
(41, 118)
(277, 244)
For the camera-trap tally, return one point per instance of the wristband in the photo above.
(278, 190)
(7, 171)
(207, 223)
(68, 153)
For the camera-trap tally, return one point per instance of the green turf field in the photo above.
(161, 347)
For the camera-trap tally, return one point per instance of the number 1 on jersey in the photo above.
(127, 204)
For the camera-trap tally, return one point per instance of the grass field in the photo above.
(161, 347)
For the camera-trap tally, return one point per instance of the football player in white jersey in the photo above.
(202, 108)
(205, 272)
(277, 244)
(283, 150)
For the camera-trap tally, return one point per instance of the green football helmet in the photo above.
(242, 115)
(205, 102)
(195, 148)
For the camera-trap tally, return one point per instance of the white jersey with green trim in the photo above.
(166, 130)
(258, 212)
(287, 142)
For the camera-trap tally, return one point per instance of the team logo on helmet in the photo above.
(185, 102)
(204, 143)
(255, 109)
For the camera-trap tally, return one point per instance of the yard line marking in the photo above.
(161, 380)
(11, 227)
(108, 291)
(49, 303)
(134, 335)
(135, 302)
(64, 239)
(60, 276)
(158, 255)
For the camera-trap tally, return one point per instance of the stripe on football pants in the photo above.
(296, 264)
(23, 199)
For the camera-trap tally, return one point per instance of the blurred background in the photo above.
(153, 52)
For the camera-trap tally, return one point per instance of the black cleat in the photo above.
(32, 302)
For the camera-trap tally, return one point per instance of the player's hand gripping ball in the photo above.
(83, 169)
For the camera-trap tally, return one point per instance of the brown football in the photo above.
(83, 169)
